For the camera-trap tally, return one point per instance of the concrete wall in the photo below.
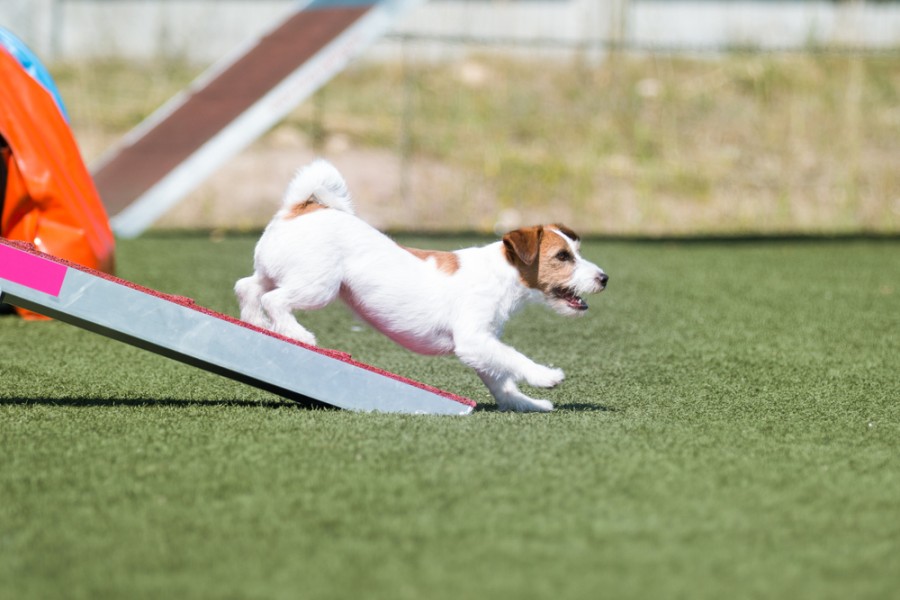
(204, 30)
(766, 24)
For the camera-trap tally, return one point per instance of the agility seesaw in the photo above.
(234, 102)
(175, 327)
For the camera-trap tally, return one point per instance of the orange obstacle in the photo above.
(47, 196)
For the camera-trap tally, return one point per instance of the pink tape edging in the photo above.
(31, 270)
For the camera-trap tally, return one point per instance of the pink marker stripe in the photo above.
(32, 271)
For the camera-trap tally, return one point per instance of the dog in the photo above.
(432, 302)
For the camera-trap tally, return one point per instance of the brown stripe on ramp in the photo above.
(138, 167)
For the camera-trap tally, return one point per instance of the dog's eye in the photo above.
(564, 256)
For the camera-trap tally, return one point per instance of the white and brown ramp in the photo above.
(232, 104)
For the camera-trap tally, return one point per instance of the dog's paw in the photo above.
(304, 337)
(309, 340)
(545, 377)
(541, 406)
(526, 405)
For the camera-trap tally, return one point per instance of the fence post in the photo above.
(57, 25)
(618, 23)
(407, 109)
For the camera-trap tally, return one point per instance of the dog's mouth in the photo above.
(568, 295)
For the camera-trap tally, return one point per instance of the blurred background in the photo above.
(617, 117)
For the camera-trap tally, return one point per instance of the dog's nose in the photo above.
(603, 278)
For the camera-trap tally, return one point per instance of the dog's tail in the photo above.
(319, 182)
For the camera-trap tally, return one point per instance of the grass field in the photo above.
(729, 427)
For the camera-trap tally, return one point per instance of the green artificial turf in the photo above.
(729, 427)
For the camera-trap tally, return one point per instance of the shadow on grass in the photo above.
(565, 407)
(585, 407)
(267, 404)
(111, 402)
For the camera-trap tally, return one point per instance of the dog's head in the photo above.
(547, 259)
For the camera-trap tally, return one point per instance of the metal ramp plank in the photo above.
(177, 328)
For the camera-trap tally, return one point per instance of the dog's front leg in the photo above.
(487, 354)
(509, 397)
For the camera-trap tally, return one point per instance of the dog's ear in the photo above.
(567, 232)
(523, 244)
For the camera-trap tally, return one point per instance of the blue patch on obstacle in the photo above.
(320, 4)
(32, 65)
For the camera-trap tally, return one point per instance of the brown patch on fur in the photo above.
(446, 262)
(303, 208)
(522, 245)
(534, 252)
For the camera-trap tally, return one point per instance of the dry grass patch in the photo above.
(632, 145)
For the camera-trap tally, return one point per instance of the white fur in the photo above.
(304, 263)
(321, 182)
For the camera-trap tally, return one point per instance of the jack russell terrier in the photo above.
(430, 302)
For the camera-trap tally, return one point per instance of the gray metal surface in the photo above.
(209, 342)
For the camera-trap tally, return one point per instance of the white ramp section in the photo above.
(232, 104)
(177, 328)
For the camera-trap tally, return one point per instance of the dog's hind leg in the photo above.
(281, 303)
(249, 291)
(505, 391)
